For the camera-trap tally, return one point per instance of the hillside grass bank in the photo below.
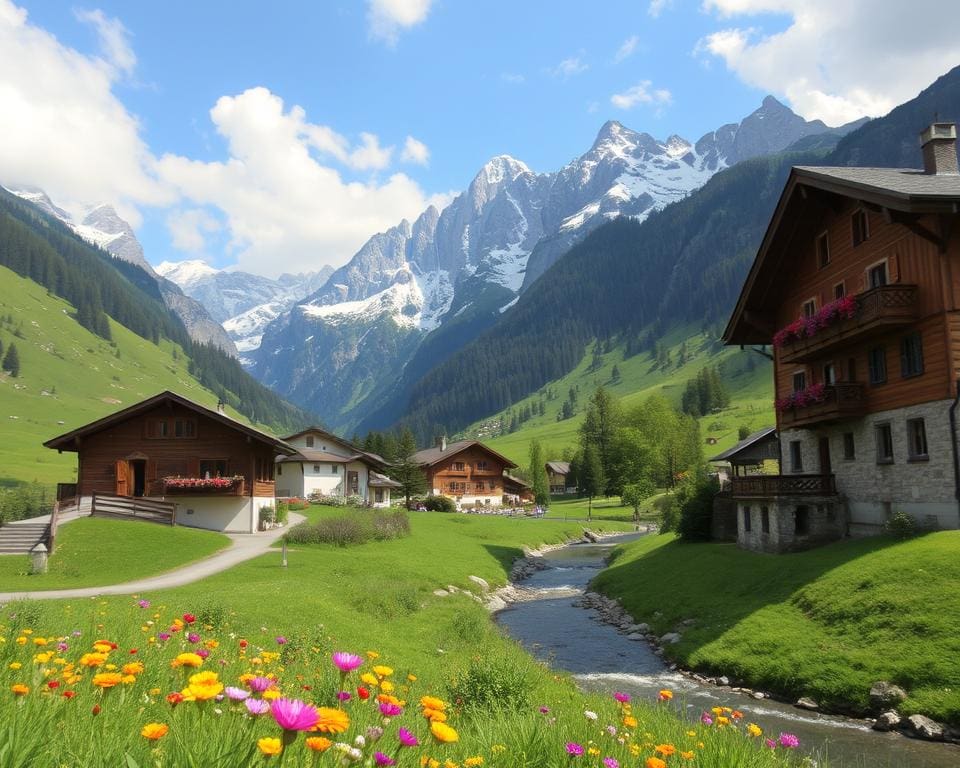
(825, 623)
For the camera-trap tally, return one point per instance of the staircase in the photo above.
(20, 538)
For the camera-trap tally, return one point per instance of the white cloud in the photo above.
(113, 38)
(657, 7)
(642, 93)
(513, 78)
(837, 61)
(188, 229)
(388, 18)
(415, 152)
(626, 50)
(284, 209)
(569, 67)
(62, 128)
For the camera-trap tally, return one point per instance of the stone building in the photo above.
(857, 287)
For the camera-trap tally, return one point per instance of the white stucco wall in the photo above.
(322, 443)
(230, 514)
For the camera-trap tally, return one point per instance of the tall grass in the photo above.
(354, 528)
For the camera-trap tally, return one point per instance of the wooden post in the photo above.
(283, 562)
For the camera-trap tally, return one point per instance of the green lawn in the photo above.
(93, 552)
(825, 623)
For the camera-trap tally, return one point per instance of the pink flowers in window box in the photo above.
(815, 393)
(201, 483)
(805, 327)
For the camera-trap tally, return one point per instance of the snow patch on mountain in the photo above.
(185, 273)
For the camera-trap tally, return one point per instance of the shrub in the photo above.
(267, 515)
(490, 684)
(900, 525)
(695, 501)
(670, 514)
(282, 513)
(355, 528)
(327, 501)
(23, 501)
(295, 504)
(440, 504)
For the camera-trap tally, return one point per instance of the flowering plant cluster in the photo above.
(181, 693)
(187, 483)
(815, 393)
(805, 327)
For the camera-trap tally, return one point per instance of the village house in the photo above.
(756, 456)
(207, 469)
(558, 473)
(467, 471)
(857, 287)
(327, 465)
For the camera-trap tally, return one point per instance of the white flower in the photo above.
(360, 742)
(590, 715)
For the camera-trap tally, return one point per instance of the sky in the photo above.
(279, 139)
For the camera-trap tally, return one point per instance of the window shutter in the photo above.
(864, 284)
(893, 268)
(122, 487)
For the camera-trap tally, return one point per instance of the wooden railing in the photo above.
(878, 308)
(839, 401)
(765, 486)
(160, 488)
(108, 505)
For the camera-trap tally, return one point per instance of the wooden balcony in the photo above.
(878, 310)
(839, 402)
(768, 486)
(161, 488)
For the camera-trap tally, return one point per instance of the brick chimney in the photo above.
(939, 144)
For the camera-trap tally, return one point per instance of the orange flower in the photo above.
(655, 762)
(318, 743)
(665, 749)
(133, 668)
(630, 721)
(107, 679)
(331, 720)
(154, 731)
(187, 660)
(93, 659)
(665, 695)
(443, 733)
(19, 689)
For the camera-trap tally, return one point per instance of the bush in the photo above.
(337, 501)
(670, 514)
(900, 525)
(695, 501)
(440, 504)
(267, 516)
(352, 529)
(493, 684)
(295, 504)
(282, 514)
(23, 501)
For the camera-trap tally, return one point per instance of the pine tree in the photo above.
(405, 469)
(11, 361)
(538, 474)
(592, 479)
(615, 374)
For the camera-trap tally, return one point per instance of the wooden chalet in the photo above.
(327, 465)
(466, 471)
(558, 477)
(857, 287)
(213, 471)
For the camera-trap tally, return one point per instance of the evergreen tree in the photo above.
(600, 424)
(592, 479)
(405, 469)
(634, 494)
(615, 374)
(538, 474)
(11, 361)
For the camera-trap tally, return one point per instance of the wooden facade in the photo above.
(466, 471)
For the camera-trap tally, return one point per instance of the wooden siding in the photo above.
(102, 455)
(441, 475)
(911, 259)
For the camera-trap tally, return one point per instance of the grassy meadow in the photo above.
(825, 623)
(259, 626)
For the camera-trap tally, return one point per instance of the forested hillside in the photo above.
(98, 286)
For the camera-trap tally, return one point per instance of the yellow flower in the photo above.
(470, 762)
(373, 655)
(19, 689)
(15, 665)
(187, 660)
(498, 749)
(203, 686)
(39, 641)
(630, 721)
(133, 668)
(412, 678)
(154, 731)
(331, 720)
(102, 646)
(21, 640)
(107, 679)
(369, 679)
(665, 695)
(432, 702)
(687, 755)
(318, 743)
(154, 691)
(386, 685)
(269, 746)
(43, 658)
(754, 730)
(271, 693)
(382, 671)
(723, 720)
(93, 659)
(443, 732)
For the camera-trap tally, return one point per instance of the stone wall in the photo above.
(789, 523)
(922, 488)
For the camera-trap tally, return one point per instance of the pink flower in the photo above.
(623, 698)
(143, 603)
(346, 662)
(343, 696)
(381, 759)
(257, 706)
(407, 739)
(281, 640)
(771, 744)
(609, 762)
(235, 694)
(789, 740)
(203, 653)
(193, 637)
(260, 684)
(294, 715)
(390, 710)
(706, 719)
(573, 749)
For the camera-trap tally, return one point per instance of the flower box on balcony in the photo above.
(821, 404)
(204, 485)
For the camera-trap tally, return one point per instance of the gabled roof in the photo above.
(430, 456)
(69, 440)
(559, 467)
(901, 193)
(377, 480)
(516, 480)
(308, 456)
(759, 436)
(360, 453)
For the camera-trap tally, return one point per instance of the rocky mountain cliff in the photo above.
(413, 295)
(103, 227)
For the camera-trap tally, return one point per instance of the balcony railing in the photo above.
(838, 402)
(881, 308)
(234, 486)
(767, 486)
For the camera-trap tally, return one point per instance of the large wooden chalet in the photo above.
(466, 471)
(857, 287)
(217, 471)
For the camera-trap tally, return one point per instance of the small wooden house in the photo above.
(558, 474)
(467, 471)
(217, 471)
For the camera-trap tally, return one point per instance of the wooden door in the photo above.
(122, 468)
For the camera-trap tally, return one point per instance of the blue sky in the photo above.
(262, 137)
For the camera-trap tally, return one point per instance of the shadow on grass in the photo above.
(504, 555)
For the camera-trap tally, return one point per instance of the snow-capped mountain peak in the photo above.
(185, 273)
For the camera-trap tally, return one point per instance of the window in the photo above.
(877, 275)
(746, 519)
(157, 429)
(829, 374)
(184, 428)
(316, 469)
(809, 308)
(214, 468)
(378, 495)
(917, 440)
(849, 446)
(459, 466)
(482, 466)
(279, 469)
(796, 456)
(839, 290)
(911, 355)
(877, 363)
(764, 519)
(801, 521)
(263, 469)
(884, 438)
(334, 469)
(309, 441)
(859, 226)
(799, 381)
(823, 250)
